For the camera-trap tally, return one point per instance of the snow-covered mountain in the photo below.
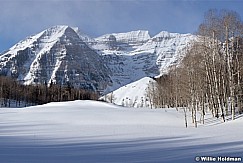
(63, 54)
(57, 55)
(140, 55)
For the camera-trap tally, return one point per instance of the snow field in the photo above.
(91, 131)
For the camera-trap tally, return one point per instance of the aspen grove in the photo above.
(210, 77)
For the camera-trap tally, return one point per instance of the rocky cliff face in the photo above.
(55, 55)
(62, 55)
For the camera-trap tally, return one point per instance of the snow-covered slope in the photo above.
(57, 54)
(168, 47)
(88, 131)
(131, 95)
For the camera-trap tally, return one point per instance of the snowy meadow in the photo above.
(91, 131)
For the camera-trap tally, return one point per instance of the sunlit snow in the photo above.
(89, 131)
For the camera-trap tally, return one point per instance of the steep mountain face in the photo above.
(134, 55)
(168, 48)
(62, 55)
(56, 55)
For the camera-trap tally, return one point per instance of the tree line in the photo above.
(210, 77)
(11, 90)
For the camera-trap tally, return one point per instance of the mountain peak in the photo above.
(58, 27)
(57, 55)
(51, 33)
(166, 34)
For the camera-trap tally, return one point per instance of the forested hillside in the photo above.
(11, 90)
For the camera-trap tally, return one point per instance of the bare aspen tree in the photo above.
(151, 95)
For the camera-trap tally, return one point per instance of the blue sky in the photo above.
(21, 18)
